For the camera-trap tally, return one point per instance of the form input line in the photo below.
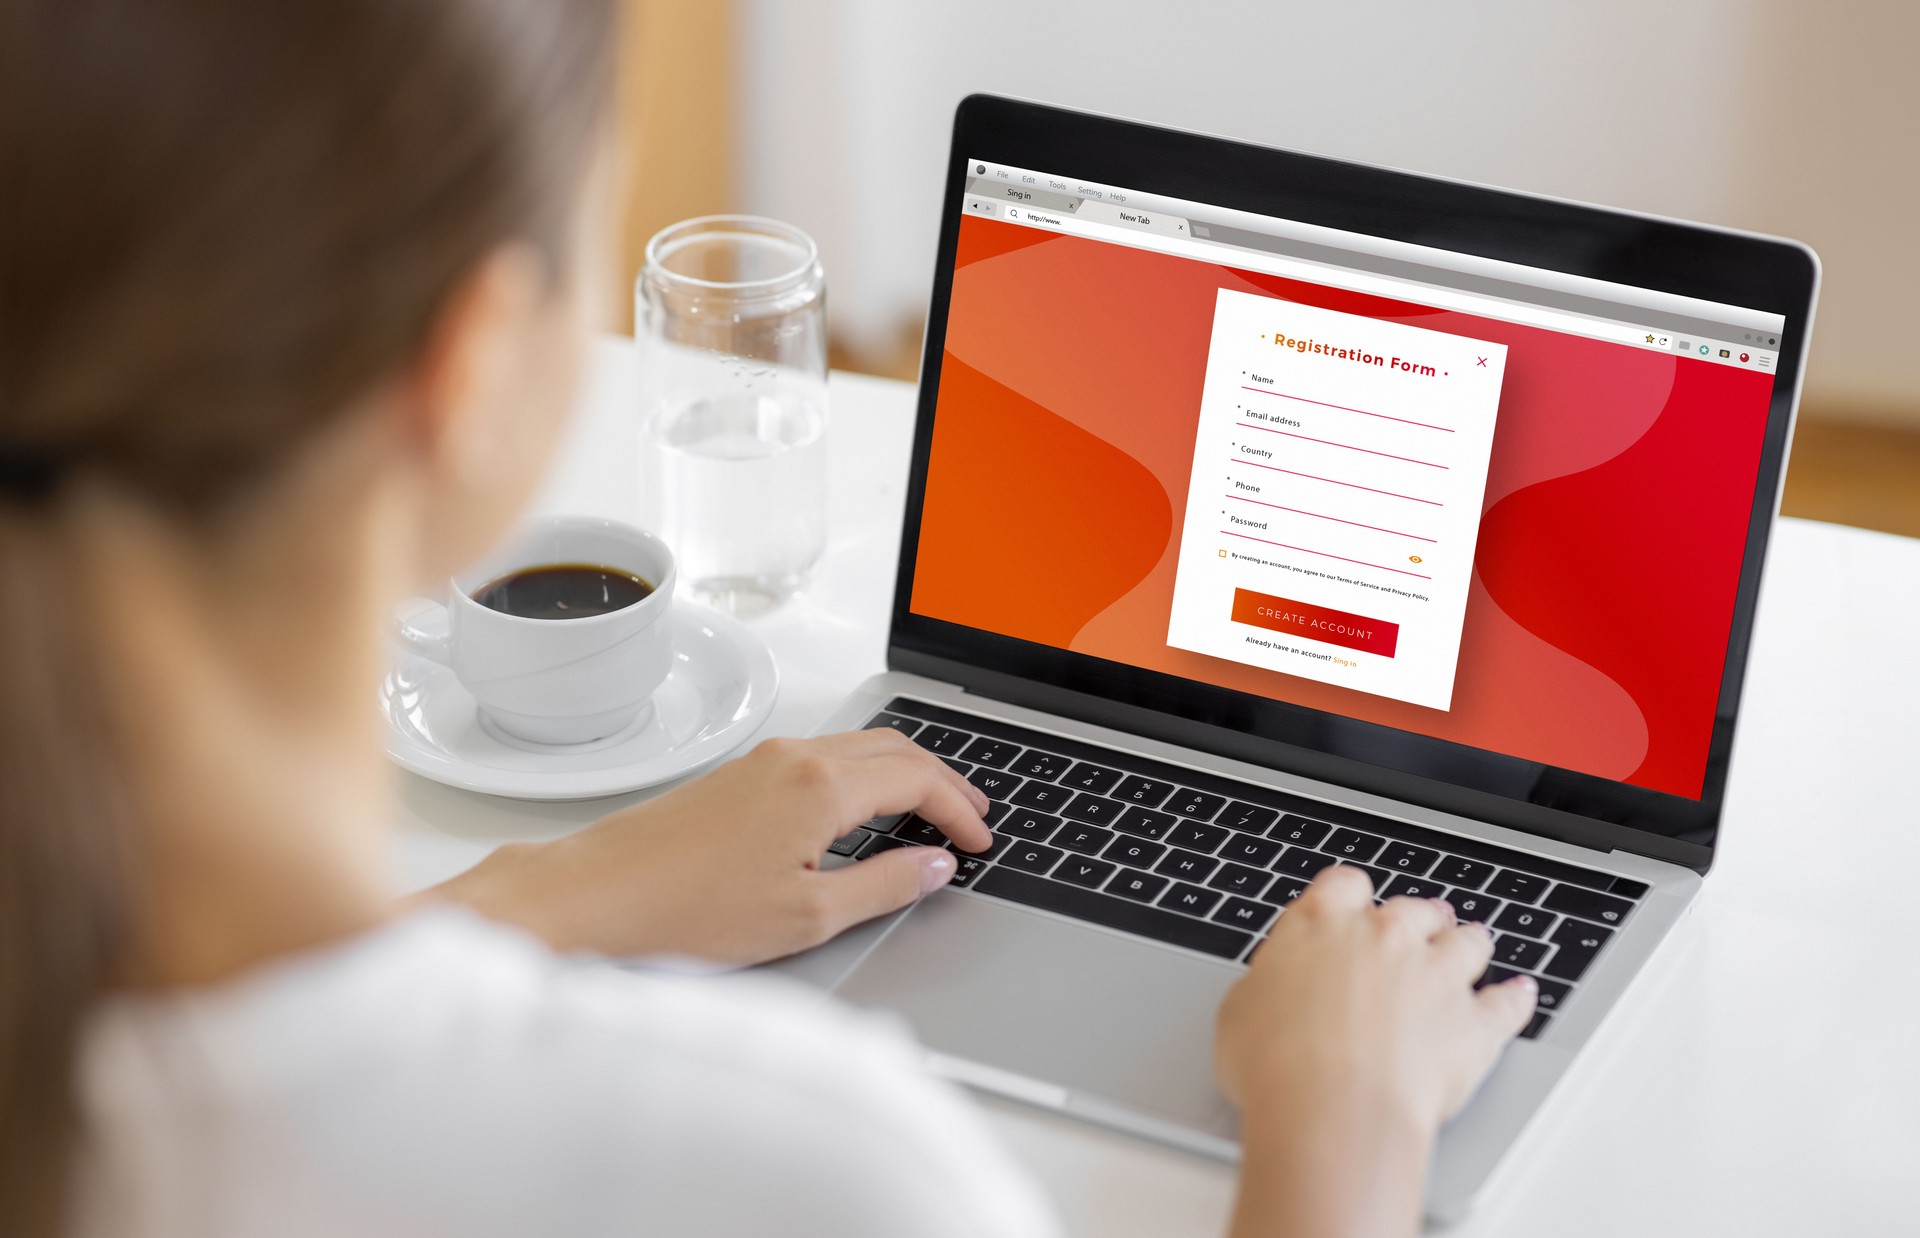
(1323, 516)
(1352, 485)
(1308, 438)
(1425, 425)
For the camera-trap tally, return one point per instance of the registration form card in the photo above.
(1338, 473)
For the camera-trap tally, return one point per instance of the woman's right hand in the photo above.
(1354, 1034)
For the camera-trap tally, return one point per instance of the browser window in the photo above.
(1492, 504)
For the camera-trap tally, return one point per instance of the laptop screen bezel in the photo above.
(1669, 256)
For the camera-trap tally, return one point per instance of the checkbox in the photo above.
(1223, 554)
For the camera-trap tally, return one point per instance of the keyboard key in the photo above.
(1195, 805)
(1246, 914)
(849, 843)
(1353, 845)
(1191, 899)
(1035, 827)
(1518, 951)
(1114, 913)
(1525, 920)
(1406, 858)
(1284, 890)
(1587, 904)
(994, 752)
(1031, 857)
(906, 726)
(1141, 887)
(1465, 874)
(965, 869)
(1000, 843)
(1627, 887)
(1379, 876)
(877, 843)
(1147, 792)
(1196, 837)
(1517, 887)
(1403, 886)
(1043, 795)
(1186, 865)
(1082, 871)
(1239, 879)
(920, 833)
(1251, 818)
(1145, 822)
(996, 810)
(1494, 975)
(1553, 994)
(1536, 1025)
(1468, 905)
(994, 783)
(1086, 839)
(1045, 766)
(887, 824)
(942, 739)
(1301, 862)
(1135, 851)
(1579, 933)
(1299, 831)
(1251, 849)
(1093, 809)
(1087, 776)
(1578, 943)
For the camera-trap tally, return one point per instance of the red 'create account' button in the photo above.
(1332, 627)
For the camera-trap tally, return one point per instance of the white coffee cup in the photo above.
(556, 681)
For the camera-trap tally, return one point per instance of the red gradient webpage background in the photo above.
(1612, 530)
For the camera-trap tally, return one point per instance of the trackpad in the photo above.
(1095, 1012)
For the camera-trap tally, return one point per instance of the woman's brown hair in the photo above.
(221, 221)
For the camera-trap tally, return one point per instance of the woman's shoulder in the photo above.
(449, 1059)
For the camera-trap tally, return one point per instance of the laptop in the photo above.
(1269, 512)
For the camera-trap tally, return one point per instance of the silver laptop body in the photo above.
(1113, 1027)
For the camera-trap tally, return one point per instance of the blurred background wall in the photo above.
(1785, 116)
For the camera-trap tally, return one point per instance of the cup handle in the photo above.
(433, 639)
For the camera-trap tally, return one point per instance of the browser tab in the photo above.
(1018, 191)
(1128, 217)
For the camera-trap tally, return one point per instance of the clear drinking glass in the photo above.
(731, 314)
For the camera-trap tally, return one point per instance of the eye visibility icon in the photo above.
(1413, 559)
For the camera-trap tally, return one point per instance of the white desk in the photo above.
(1763, 1077)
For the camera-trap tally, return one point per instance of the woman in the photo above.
(294, 297)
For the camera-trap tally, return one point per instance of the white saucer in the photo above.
(720, 690)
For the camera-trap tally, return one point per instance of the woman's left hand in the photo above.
(726, 867)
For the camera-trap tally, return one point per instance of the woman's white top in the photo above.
(447, 1076)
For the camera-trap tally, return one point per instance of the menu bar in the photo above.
(1328, 246)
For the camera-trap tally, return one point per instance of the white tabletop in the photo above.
(1763, 1075)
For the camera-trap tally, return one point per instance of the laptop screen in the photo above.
(1490, 504)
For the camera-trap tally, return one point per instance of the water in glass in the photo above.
(736, 482)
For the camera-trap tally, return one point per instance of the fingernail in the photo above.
(935, 870)
(1526, 984)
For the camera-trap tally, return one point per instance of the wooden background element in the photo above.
(678, 120)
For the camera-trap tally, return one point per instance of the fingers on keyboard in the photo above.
(1209, 868)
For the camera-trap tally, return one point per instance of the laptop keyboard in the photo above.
(1209, 864)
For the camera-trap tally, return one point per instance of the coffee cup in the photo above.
(550, 674)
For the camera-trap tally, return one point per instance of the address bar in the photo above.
(1355, 281)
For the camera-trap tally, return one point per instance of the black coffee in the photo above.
(562, 591)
